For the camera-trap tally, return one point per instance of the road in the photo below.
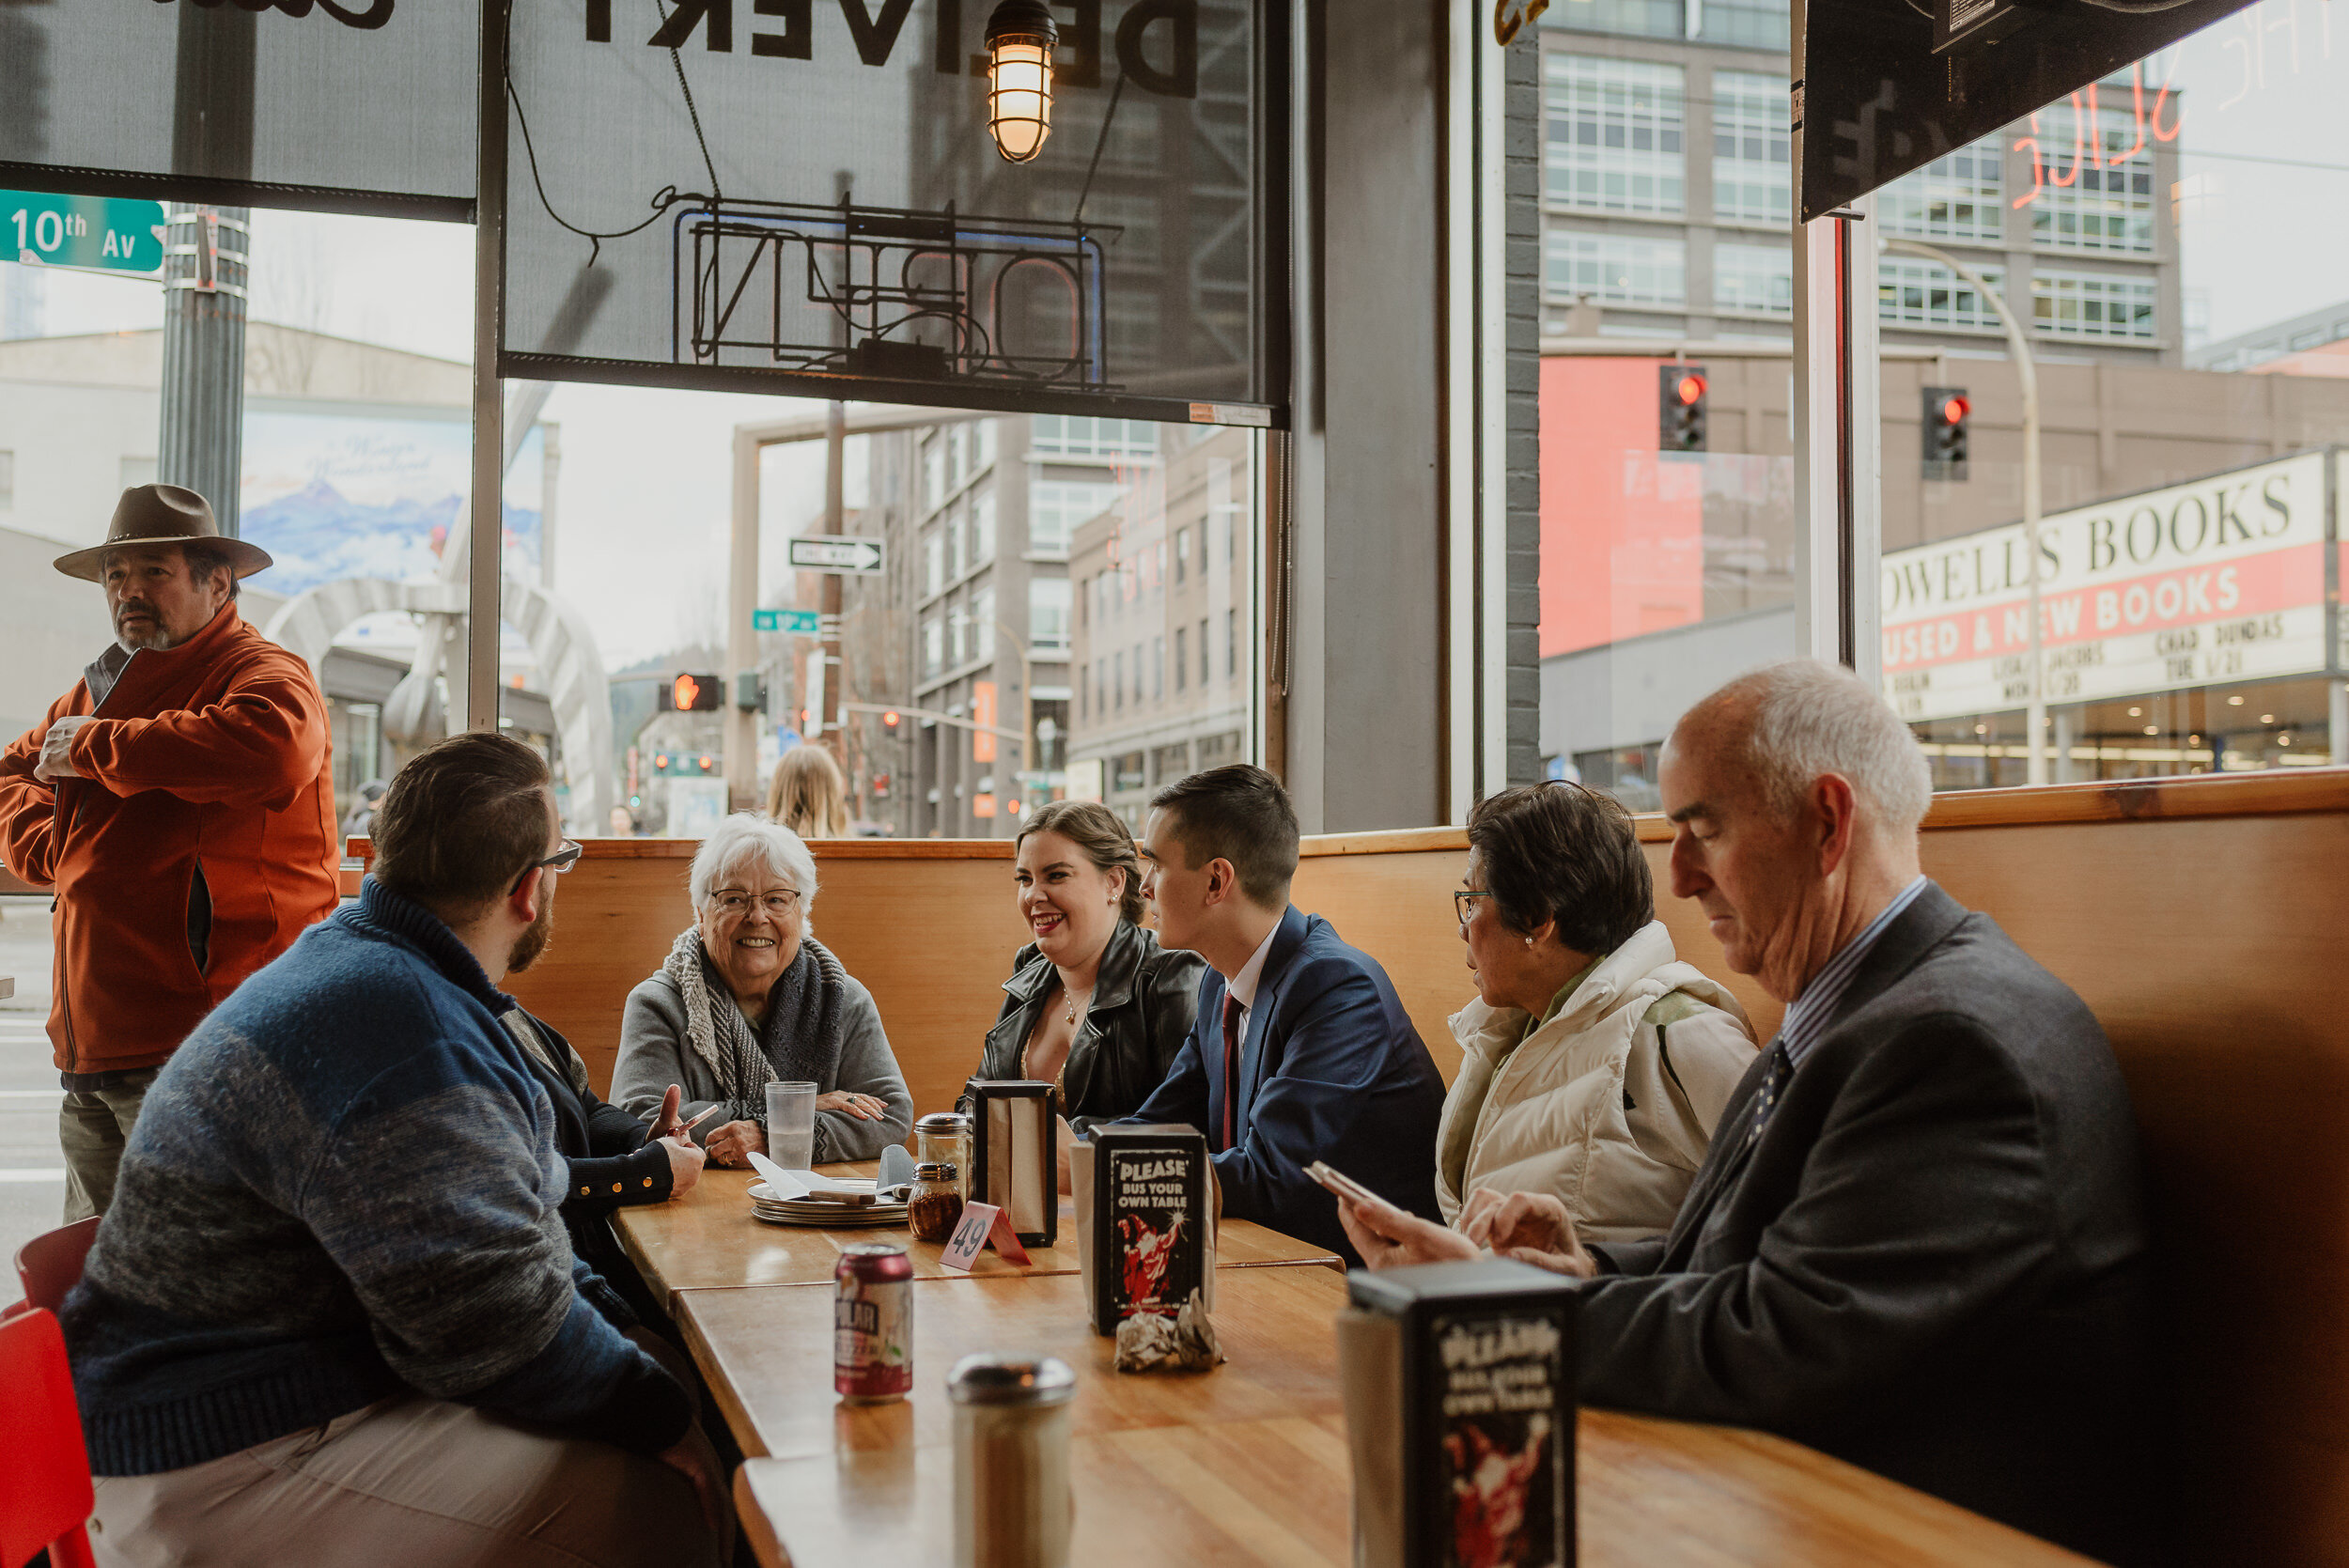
(32, 1174)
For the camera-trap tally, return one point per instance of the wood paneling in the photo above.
(710, 1240)
(1652, 1494)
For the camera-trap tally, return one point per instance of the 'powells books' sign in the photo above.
(2220, 579)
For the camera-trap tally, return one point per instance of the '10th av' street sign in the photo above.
(100, 234)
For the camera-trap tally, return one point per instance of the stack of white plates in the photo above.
(827, 1211)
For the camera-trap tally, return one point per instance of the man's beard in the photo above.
(532, 942)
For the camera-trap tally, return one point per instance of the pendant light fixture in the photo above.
(1021, 36)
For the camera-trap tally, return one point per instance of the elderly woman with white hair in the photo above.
(748, 996)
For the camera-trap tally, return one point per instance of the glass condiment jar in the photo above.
(943, 1138)
(936, 1207)
(1013, 1505)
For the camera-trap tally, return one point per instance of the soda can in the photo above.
(872, 1323)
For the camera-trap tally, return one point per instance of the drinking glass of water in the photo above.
(791, 1125)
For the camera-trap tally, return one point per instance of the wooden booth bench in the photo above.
(2200, 918)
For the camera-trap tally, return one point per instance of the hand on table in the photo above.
(1530, 1227)
(864, 1107)
(734, 1144)
(685, 1164)
(1389, 1238)
(56, 749)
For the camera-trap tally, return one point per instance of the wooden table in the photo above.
(1651, 1494)
(708, 1238)
(767, 1352)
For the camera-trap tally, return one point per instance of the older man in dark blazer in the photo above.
(1302, 1051)
(1918, 1241)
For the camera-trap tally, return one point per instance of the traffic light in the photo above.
(890, 718)
(660, 762)
(710, 764)
(1680, 408)
(693, 694)
(1947, 410)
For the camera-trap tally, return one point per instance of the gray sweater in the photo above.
(654, 1054)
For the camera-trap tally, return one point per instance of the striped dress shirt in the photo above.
(1808, 1014)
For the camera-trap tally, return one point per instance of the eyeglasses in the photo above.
(734, 901)
(559, 862)
(1463, 909)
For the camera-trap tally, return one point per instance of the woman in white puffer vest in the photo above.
(1596, 1062)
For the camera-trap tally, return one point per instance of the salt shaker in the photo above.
(1013, 1506)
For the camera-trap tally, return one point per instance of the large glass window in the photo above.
(1654, 19)
(1615, 135)
(1616, 269)
(1744, 23)
(1927, 294)
(1056, 506)
(1753, 174)
(1754, 280)
(2189, 325)
(1959, 196)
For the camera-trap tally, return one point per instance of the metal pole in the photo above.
(475, 697)
(2027, 371)
(827, 625)
(200, 438)
(739, 731)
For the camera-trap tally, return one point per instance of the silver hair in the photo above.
(748, 838)
(1809, 719)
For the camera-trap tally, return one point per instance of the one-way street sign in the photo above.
(836, 553)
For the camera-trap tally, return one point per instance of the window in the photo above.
(982, 439)
(1118, 680)
(1048, 614)
(1087, 436)
(933, 473)
(1754, 279)
(1057, 506)
(1960, 195)
(1653, 19)
(957, 454)
(1615, 134)
(1158, 669)
(933, 645)
(982, 525)
(2093, 304)
(1752, 141)
(1744, 23)
(1927, 294)
(2092, 181)
(8, 480)
(1231, 644)
(1616, 269)
(933, 559)
(1204, 672)
(1182, 553)
(1182, 665)
(984, 635)
(955, 540)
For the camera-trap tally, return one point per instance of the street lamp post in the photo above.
(1027, 689)
(2026, 369)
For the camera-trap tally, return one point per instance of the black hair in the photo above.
(1560, 853)
(1237, 812)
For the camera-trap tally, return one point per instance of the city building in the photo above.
(1162, 640)
(1666, 197)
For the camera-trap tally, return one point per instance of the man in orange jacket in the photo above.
(181, 802)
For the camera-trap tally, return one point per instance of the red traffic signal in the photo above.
(889, 719)
(1680, 408)
(1955, 409)
(1947, 410)
(693, 694)
(1688, 389)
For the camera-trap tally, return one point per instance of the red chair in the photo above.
(49, 1265)
(45, 1496)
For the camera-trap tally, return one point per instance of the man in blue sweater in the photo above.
(1302, 1050)
(333, 1315)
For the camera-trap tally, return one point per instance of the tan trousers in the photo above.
(404, 1484)
(92, 1127)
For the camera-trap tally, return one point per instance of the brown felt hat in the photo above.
(161, 515)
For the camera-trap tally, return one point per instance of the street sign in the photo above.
(100, 234)
(837, 552)
(799, 623)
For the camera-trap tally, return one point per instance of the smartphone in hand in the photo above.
(1344, 1186)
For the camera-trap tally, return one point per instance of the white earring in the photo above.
(1528, 942)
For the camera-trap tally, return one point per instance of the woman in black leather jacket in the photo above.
(1094, 1004)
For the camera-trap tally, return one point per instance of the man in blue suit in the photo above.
(1302, 1050)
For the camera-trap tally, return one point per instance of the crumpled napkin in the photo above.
(1184, 1342)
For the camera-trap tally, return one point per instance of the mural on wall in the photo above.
(334, 496)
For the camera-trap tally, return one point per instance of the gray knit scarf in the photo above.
(800, 1041)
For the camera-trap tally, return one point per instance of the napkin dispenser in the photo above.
(1015, 1161)
(1145, 1220)
(1459, 1383)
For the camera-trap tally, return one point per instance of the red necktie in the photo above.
(1231, 1067)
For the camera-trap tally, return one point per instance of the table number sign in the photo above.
(982, 1225)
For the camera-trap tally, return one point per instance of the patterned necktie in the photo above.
(1231, 1067)
(1774, 1079)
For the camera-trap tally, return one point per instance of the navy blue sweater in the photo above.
(346, 1186)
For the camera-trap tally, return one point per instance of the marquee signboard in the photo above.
(2218, 580)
